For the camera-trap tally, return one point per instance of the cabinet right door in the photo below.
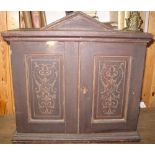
(110, 86)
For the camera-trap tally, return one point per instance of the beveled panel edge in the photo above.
(46, 121)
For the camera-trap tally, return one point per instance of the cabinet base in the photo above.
(75, 138)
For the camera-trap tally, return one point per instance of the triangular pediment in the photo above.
(78, 21)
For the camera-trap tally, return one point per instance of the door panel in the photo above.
(42, 96)
(111, 76)
(45, 87)
(108, 97)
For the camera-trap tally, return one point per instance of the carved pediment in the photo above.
(78, 21)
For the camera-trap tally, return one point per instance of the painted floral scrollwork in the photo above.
(111, 80)
(45, 78)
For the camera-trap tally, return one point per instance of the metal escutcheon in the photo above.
(84, 90)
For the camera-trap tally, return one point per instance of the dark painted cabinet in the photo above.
(44, 81)
(112, 76)
(77, 80)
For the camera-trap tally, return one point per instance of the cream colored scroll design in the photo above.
(45, 79)
(111, 85)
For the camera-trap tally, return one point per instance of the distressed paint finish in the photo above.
(116, 77)
(111, 79)
(43, 75)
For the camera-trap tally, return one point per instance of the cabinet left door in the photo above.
(45, 85)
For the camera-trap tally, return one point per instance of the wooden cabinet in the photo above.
(77, 80)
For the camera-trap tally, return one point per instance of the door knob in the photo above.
(84, 90)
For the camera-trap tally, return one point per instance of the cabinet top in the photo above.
(76, 25)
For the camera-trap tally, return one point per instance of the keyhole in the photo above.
(84, 90)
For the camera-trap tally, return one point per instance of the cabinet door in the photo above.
(110, 84)
(45, 84)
